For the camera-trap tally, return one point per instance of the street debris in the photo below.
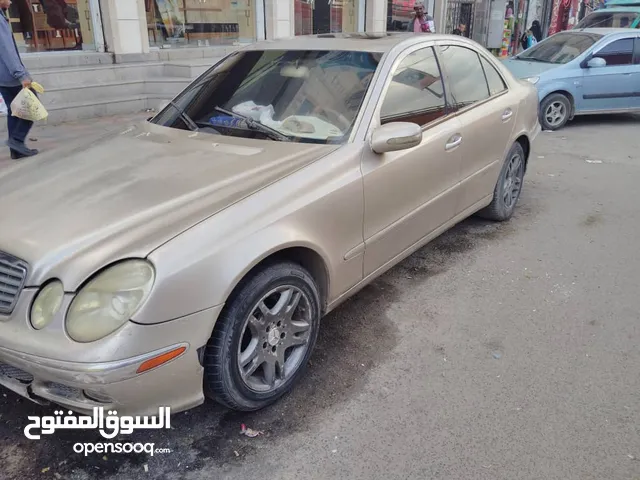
(249, 432)
(146, 467)
(46, 469)
(235, 452)
(334, 451)
(57, 475)
(540, 156)
(631, 457)
(497, 355)
(593, 161)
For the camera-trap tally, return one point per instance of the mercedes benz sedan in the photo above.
(193, 255)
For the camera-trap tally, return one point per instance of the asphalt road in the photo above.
(500, 351)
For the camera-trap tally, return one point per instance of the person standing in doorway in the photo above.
(461, 30)
(13, 78)
(422, 22)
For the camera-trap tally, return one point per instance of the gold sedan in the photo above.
(194, 254)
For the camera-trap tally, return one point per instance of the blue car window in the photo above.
(619, 52)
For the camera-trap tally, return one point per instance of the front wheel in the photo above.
(507, 190)
(263, 339)
(555, 111)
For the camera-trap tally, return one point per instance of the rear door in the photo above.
(615, 87)
(486, 111)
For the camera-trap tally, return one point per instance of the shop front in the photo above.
(563, 15)
(200, 23)
(332, 16)
(53, 25)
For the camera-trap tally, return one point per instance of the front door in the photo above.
(410, 193)
(615, 86)
(487, 115)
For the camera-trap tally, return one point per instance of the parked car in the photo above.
(194, 254)
(582, 72)
(614, 14)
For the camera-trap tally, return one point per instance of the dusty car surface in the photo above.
(195, 254)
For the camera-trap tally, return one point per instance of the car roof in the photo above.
(628, 3)
(604, 31)
(618, 9)
(359, 42)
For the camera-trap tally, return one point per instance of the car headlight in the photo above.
(533, 80)
(46, 305)
(109, 300)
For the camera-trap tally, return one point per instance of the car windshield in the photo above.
(284, 95)
(560, 48)
(608, 20)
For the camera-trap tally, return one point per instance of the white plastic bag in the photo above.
(262, 114)
(27, 106)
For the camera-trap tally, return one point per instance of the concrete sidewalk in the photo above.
(48, 137)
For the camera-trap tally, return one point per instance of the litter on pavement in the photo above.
(249, 432)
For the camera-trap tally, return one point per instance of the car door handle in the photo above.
(453, 142)
(507, 114)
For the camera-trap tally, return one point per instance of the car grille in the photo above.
(15, 373)
(13, 273)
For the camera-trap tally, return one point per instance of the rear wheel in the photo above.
(263, 339)
(555, 111)
(507, 190)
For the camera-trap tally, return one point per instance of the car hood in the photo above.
(524, 69)
(72, 211)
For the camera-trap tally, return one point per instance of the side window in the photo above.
(619, 52)
(466, 77)
(636, 54)
(416, 92)
(494, 80)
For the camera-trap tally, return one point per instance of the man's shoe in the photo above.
(21, 149)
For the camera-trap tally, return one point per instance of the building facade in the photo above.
(141, 26)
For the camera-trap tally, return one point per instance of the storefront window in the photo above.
(51, 25)
(332, 16)
(399, 14)
(200, 22)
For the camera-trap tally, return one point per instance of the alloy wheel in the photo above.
(555, 113)
(275, 338)
(513, 181)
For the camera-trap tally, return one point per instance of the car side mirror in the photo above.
(596, 62)
(396, 136)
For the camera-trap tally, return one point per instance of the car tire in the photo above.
(259, 316)
(508, 187)
(555, 111)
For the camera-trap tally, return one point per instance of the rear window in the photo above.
(606, 19)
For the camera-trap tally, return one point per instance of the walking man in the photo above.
(13, 78)
(422, 22)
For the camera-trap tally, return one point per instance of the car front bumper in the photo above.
(115, 384)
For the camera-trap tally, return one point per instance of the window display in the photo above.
(200, 22)
(332, 16)
(51, 25)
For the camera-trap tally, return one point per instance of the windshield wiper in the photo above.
(254, 125)
(187, 119)
(532, 59)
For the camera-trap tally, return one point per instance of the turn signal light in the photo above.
(160, 359)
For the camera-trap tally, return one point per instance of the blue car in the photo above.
(582, 72)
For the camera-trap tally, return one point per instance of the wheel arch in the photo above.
(567, 94)
(303, 255)
(525, 143)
